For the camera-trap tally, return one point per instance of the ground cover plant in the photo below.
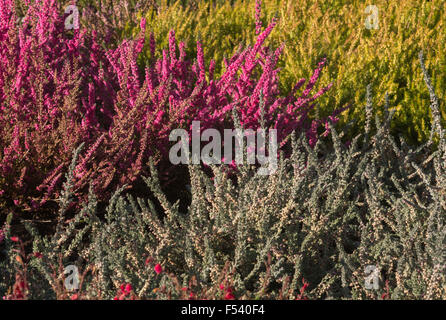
(386, 57)
(69, 90)
(335, 29)
(353, 211)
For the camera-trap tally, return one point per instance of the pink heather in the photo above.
(158, 268)
(124, 117)
(258, 12)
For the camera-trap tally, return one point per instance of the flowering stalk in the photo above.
(68, 90)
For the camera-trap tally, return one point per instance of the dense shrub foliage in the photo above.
(386, 57)
(325, 214)
(57, 91)
(85, 179)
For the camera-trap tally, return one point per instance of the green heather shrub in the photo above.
(307, 231)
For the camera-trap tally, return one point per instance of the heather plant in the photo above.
(386, 57)
(68, 89)
(326, 214)
(109, 18)
(43, 75)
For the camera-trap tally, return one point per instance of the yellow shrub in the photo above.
(385, 57)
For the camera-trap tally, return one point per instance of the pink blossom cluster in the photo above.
(58, 90)
(124, 292)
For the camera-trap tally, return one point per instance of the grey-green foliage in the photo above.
(326, 214)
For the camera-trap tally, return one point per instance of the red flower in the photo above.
(74, 296)
(158, 268)
(302, 296)
(15, 239)
(229, 296)
(128, 288)
(37, 255)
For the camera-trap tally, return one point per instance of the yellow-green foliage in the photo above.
(386, 57)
